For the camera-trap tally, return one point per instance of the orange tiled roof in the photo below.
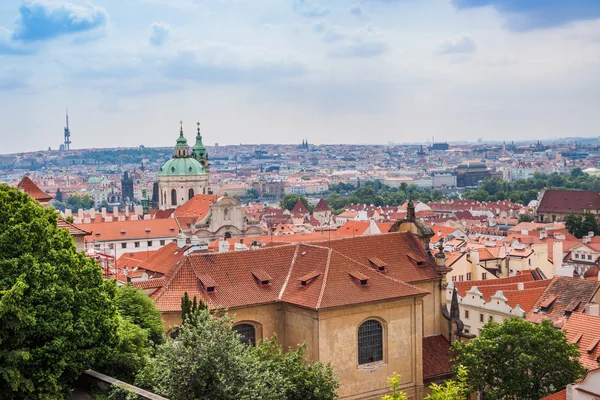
(198, 207)
(562, 395)
(585, 331)
(558, 295)
(33, 190)
(331, 261)
(436, 356)
(164, 259)
(73, 229)
(109, 231)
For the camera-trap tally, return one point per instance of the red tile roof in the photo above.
(322, 206)
(196, 209)
(33, 190)
(299, 208)
(558, 295)
(436, 356)
(585, 331)
(569, 201)
(329, 264)
(73, 229)
(127, 230)
(562, 395)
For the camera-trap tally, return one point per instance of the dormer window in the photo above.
(207, 283)
(417, 259)
(377, 263)
(547, 303)
(572, 306)
(593, 345)
(361, 278)
(263, 278)
(308, 278)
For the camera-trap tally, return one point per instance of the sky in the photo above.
(280, 71)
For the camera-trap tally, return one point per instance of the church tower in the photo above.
(183, 176)
(199, 150)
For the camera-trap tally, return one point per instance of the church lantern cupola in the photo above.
(199, 150)
(181, 148)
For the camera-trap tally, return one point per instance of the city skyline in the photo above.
(281, 71)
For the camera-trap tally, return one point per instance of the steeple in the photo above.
(67, 144)
(181, 148)
(199, 150)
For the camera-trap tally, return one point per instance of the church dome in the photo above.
(182, 166)
(93, 180)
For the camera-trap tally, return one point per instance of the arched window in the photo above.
(173, 197)
(190, 194)
(247, 333)
(370, 342)
(227, 235)
(226, 214)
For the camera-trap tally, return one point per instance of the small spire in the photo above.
(198, 127)
(181, 127)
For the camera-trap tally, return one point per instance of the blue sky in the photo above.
(279, 71)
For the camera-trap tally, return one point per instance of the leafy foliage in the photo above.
(140, 310)
(526, 218)
(519, 360)
(207, 360)
(394, 383)
(57, 317)
(581, 225)
(457, 389)
(118, 392)
(77, 201)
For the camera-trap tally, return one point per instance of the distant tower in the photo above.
(67, 134)
(127, 188)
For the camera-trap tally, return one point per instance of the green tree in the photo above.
(57, 317)
(397, 394)
(519, 360)
(479, 195)
(186, 306)
(207, 360)
(457, 389)
(140, 310)
(289, 201)
(252, 193)
(573, 224)
(526, 218)
(58, 196)
(589, 224)
(577, 172)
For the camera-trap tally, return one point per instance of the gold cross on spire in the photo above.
(181, 126)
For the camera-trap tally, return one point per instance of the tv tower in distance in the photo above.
(67, 144)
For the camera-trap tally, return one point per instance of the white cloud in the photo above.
(460, 44)
(159, 33)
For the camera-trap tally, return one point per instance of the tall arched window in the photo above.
(190, 194)
(247, 333)
(370, 342)
(226, 214)
(173, 197)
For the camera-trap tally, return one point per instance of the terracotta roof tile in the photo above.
(322, 206)
(33, 190)
(585, 331)
(558, 295)
(562, 395)
(111, 231)
(569, 201)
(74, 230)
(436, 356)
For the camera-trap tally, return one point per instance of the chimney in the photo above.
(223, 246)
(543, 234)
(474, 263)
(439, 233)
(103, 211)
(570, 391)
(587, 239)
(557, 255)
(115, 212)
(521, 286)
(68, 212)
(591, 234)
(138, 210)
(127, 210)
(593, 309)
(80, 213)
(181, 240)
(524, 231)
(92, 213)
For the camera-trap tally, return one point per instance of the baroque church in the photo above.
(184, 188)
(185, 174)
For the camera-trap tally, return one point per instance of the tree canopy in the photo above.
(519, 360)
(207, 360)
(580, 225)
(57, 317)
(289, 201)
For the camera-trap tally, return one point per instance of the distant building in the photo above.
(185, 175)
(555, 205)
(471, 173)
(127, 188)
(443, 179)
(439, 146)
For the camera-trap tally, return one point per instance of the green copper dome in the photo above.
(181, 140)
(199, 150)
(179, 166)
(94, 180)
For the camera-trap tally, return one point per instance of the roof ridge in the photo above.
(170, 279)
(325, 275)
(289, 274)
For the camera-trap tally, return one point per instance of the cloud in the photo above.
(355, 9)
(364, 43)
(226, 64)
(159, 33)
(524, 15)
(329, 33)
(13, 78)
(460, 44)
(45, 19)
(310, 8)
(8, 46)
